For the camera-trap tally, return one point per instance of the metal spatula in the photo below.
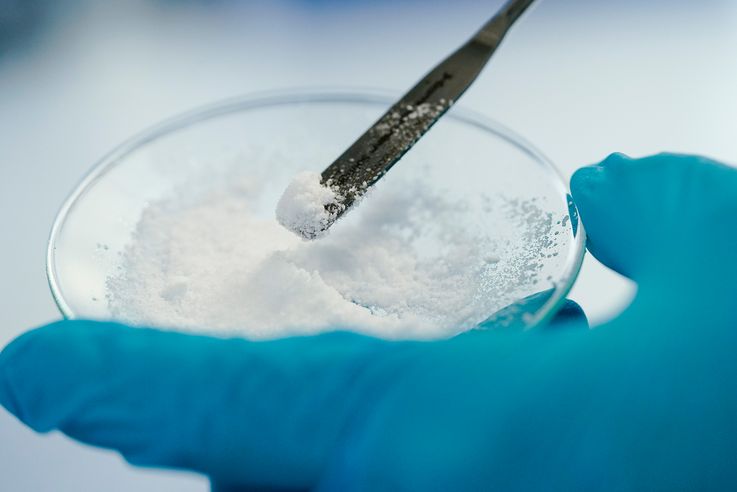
(382, 145)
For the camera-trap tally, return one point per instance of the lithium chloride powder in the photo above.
(307, 206)
(404, 264)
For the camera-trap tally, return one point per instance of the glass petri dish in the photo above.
(481, 184)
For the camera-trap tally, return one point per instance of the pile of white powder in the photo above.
(401, 265)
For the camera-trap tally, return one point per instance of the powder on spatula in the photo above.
(304, 206)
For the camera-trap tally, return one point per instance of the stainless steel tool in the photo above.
(382, 145)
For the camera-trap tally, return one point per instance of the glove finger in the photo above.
(608, 226)
(254, 413)
(638, 212)
(515, 316)
(570, 315)
(217, 487)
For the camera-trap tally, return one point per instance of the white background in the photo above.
(580, 79)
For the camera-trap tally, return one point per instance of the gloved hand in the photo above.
(646, 401)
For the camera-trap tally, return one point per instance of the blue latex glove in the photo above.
(647, 401)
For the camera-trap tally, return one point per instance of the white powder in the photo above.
(402, 265)
(307, 206)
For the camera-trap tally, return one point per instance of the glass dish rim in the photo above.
(313, 95)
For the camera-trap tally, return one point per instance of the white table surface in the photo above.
(580, 79)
